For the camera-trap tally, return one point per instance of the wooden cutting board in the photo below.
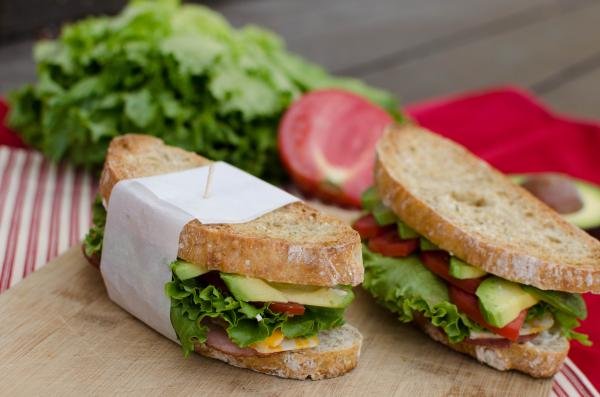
(61, 335)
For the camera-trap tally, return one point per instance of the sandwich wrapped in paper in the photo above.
(248, 274)
(473, 259)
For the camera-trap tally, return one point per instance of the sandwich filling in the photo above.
(236, 314)
(419, 281)
(255, 314)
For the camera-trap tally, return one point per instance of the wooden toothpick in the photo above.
(208, 180)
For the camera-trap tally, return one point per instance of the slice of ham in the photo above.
(493, 342)
(217, 338)
(499, 342)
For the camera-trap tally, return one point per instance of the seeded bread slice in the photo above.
(465, 206)
(541, 357)
(293, 244)
(337, 353)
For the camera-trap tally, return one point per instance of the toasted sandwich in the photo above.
(474, 260)
(268, 295)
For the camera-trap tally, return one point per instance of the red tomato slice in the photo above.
(327, 143)
(438, 262)
(390, 244)
(292, 309)
(367, 227)
(469, 304)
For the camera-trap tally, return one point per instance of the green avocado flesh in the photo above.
(316, 296)
(501, 300)
(383, 215)
(250, 289)
(426, 245)
(186, 270)
(572, 304)
(463, 271)
(405, 231)
(369, 199)
(588, 217)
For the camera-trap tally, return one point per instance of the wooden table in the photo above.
(415, 48)
(61, 335)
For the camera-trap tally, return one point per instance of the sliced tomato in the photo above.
(367, 227)
(390, 244)
(292, 309)
(438, 262)
(469, 304)
(327, 143)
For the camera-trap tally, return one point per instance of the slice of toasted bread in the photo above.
(293, 244)
(337, 353)
(541, 357)
(470, 209)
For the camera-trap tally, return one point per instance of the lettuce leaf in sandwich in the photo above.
(406, 287)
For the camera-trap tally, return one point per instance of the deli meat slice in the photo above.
(499, 342)
(217, 338)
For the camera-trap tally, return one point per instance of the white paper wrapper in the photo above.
(145, 218)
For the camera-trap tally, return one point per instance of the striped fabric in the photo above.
(570, 381)
(45, 209)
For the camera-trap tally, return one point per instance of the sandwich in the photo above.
(267, 295)
(474, 260)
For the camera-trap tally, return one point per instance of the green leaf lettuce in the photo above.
(92, 243)
(405, 286)
(179, 72)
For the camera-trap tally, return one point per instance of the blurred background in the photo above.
(415, 48)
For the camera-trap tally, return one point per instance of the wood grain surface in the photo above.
(61, 335)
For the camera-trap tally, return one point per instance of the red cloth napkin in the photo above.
(510, 129)
(7, 136)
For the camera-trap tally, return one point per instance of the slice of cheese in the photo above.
(529, 328)
(278, 343)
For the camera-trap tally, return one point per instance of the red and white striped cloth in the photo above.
(570, 381)
(45, 209)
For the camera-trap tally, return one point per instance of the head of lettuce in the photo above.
(179, 72)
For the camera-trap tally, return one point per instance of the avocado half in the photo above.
(588, 217)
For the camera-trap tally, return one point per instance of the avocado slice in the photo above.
(462, 271)
(501, 300)
(427, 245)
(249, 289)
(572, 304)
(186, 270)
(369, 199)
(316, 296)
(588, 217)
(383, 215)
(406, 231)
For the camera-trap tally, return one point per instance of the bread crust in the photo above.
(328, 360)
(510, 261)
(533, 359)
(281, 246)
